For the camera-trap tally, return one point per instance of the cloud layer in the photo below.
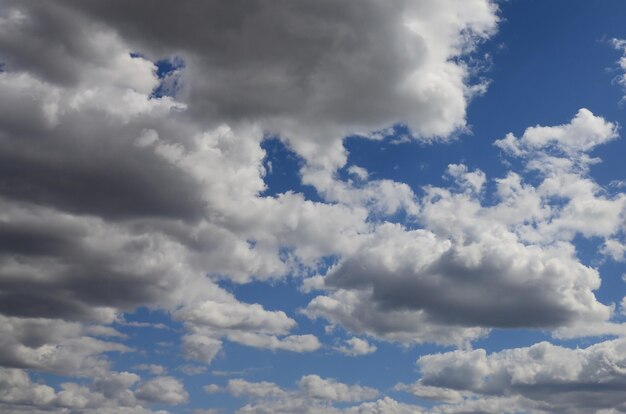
(133, 176)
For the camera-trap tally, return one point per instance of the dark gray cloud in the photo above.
(298, 66)
(451, 293)
(89, 164)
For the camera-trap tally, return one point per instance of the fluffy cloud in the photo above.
(107, 393)
(151, 368)
(238, 388)
(339, 69)
(167, 390)
(543, 378)
(620, 44)
(237, 316)
(121, 188)
(107, 151)
(53, 346)
(315, 395)
(16, 388)
(473, 266)
(201, 348)
(328, 389)
(385, 405)
(356, 346)
(114, 198)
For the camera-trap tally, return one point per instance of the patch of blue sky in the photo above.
(168, 73)
(282, 166)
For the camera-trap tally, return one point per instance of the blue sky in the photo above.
(293, 207)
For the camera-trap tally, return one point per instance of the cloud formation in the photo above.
(127, 186)
(314, 395)
(474, 266)
(542, 378)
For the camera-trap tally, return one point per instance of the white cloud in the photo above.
(236, 316)
(166, 390)
(109, 392)
(620, 45)
(614, 249)
(356, 346)
(263, 389)
(154, 369)
(314, 395)
(385, 405)
(359, 172)
(294, 343)
(114, 199)
(150, 194)
(328, 389)
(53, 345)
(17, 388)
(543, 377)
(582, 134)
(474, 266)
(201, 348)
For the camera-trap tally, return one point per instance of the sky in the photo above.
(290, 206)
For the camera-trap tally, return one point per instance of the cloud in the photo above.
(154, 369)
(51, 345)
(201, 348)
(166, 390)
(16, 388)
(583, 133)
(386, 405)
(314, 395)
(294, 343)
(544, 377)
(264, 389)
(473, 266)
(112, 208)
(328, 389)
(356, 346)
(237, 316)
(121, 189)
(620, 44)
(345, 67)
(108, 393)
(115, 198)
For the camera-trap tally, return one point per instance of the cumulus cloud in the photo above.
(113, 198)
(386, 405)
(328, 389)
(340, 69)
(17, 388)
(201, 348)
(51, 345)
(118, 174)
(109, 392)
(294, 343)
(123, 188)
(314, 395)
(166, 390)
(473, 266)
(239, 387)
(540, 378)
(356, 346)
(237, 316)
